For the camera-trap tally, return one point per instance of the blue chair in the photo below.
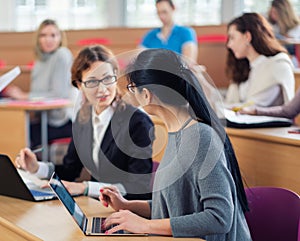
(274, 213)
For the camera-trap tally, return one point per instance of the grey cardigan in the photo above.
(51, 78)
(194, 188)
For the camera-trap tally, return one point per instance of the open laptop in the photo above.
(90, 226)
(14, 185)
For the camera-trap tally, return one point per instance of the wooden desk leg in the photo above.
(13, 132)
(27, 128)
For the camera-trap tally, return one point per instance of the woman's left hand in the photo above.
(74, 187)
(126, 220)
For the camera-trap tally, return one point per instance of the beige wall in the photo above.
(16, 48)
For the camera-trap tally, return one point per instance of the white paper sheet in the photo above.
(251, 119)
(8, 77)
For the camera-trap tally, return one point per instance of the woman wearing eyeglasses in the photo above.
(111, 139)
(197, 190)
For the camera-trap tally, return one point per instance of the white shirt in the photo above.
(100, 123)
(293, 34)
(271, 82)
(265, 98)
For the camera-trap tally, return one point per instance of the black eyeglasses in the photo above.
(107, 80)
(131, 87)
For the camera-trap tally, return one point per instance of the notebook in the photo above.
(17, 183)
(253, 121)
(90, 226)
(8, 77)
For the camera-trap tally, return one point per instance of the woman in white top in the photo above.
(259, 67)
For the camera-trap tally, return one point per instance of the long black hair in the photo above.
(155, 68)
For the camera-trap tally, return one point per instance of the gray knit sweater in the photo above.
(51, 78)
(194, 188)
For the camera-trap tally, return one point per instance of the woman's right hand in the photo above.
(248, 111)
(16, 93)
(27, 160)
(110, 196)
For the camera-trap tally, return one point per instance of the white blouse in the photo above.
(271, 82)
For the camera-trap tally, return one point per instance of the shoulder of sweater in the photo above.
(205, 129)
(281, 57)
(63, 51)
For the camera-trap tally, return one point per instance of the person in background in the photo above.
(198, 190)
(171, 36)
(290, 110)
(50, 78)
(111, 139)
(260, 70)
(286, 25)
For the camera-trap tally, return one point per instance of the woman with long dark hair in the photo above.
(198, 190)
(260, 70)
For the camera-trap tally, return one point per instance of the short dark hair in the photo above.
(169, 1)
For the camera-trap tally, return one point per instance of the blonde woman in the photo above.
(50, 78)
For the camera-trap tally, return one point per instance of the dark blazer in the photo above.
(125, 154)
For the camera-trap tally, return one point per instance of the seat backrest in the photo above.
(274, 213)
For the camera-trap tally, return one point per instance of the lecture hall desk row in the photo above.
(268, 156)
(49, 220)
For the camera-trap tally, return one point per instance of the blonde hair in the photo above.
(287, 18)
(37, 49)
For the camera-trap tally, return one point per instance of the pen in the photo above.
(34, 151)
(296, 131)
(37, 150)
(238, 108)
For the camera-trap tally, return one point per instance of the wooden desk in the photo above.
(15, 124)
(50, 221)
(268, 156)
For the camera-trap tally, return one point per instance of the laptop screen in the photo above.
(68, 201)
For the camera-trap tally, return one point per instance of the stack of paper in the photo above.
(8, 77)
(253, 121)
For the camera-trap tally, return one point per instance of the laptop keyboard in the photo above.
(36, 193)
(97, 224)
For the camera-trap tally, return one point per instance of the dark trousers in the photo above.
(53, 133)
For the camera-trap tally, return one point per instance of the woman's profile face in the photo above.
(237, 42)
(49, 38)
(273, 14)
(100, 96)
